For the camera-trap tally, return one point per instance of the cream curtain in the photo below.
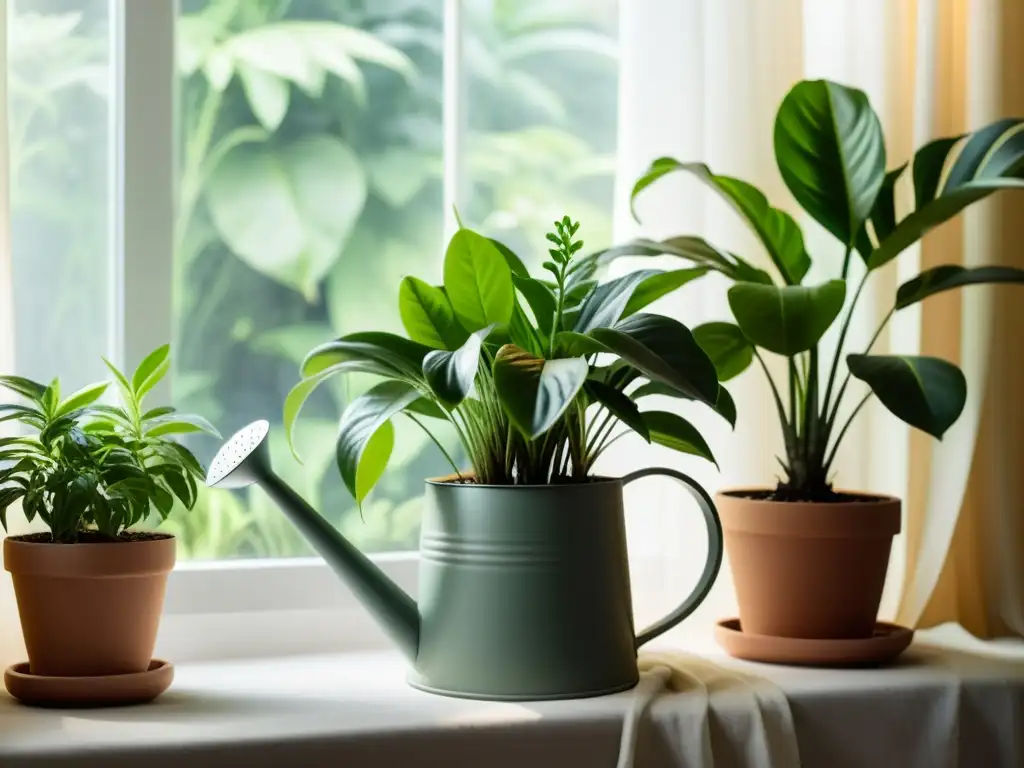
(701, 80)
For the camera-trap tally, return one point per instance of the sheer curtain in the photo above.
(701, 80)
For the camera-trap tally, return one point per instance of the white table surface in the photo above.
(949, 704)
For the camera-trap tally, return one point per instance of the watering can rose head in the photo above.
(537, 376)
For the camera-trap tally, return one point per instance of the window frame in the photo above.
(226, 608)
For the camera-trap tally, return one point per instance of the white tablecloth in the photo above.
(950, 703)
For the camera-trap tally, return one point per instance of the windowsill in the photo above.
(355, 709)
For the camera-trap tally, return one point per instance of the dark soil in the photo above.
(94, 537)
(826, 496)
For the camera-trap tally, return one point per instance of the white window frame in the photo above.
(227, 608)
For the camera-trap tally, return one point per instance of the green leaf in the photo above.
(127, 392)
(25, 387)
(661, 284)
(990, 160)
(776, 229)
(950, 276)
(156, 413)
(80, 399)
(677, 433)
(572, 344)
(515, 264)
(180, 424)
(152, 362)
(786, 320)
(361, 419)
(522, 333)
(478, 281)
(540, 298)
(619, 405)
(692, 249)
(883, 215)
(51, 396)
(724, 405)
(664, 350)
(288, 211)
(831, 154)
(427, 315)
(925, 392)
(604, 305)
(385, 354)
(535, 392)
(162, 500)
(729, 350)
(450, 375)
(268, 95)
(374, 461)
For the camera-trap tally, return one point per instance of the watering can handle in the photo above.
(714, 560)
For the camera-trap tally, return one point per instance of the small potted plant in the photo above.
(809, 561)
(524, 588)
(90, 589)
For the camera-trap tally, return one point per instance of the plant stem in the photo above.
(842, 432)
(437, 442)
(846, 260)
(846, 380)
(841, 343)
(775, 390)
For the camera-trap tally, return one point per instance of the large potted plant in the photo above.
(90, 588)
(809, 561)
(524, 588)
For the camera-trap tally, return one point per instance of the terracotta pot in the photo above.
(810, 570)
(89, 609)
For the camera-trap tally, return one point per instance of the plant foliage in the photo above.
(93, 466)
(533, 374)
(831, 153)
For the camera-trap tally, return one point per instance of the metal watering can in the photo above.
(524, 591)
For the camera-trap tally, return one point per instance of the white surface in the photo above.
(938, 707)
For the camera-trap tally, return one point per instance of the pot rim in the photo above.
(19, 540)
(864, 497)
(448, 481)
(100, 560)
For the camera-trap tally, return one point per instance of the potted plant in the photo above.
(90, 589)
(524, 589)
(809, 561)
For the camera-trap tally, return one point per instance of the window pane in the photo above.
(58, 119)
(311, 182)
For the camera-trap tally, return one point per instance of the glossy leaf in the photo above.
(729, 350)
(991, 159)
(450, 375)
(776, 229)
(831, 154)
(693, 249)
(534, 391)
(950, 276)
(664, 350)
(619, 405)
(677, 433)
(724, 405)
(360, 421)
(541, 299)
(659, 285)
(374, 461)
(378, 352)
(604, 306)
(515, 264)
(82, 398)
(149, 366)
(925, 392)
(25, 387)
(180, 425)
(478, 281)
(786, 320)
(427, 315)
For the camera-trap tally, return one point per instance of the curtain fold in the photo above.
(701, 80)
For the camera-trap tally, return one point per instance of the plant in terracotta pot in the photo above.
(809, 561)
(524, 588)
(90, 589)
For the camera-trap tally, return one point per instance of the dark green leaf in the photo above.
(162, 500)
(425, 407)
(534, 391)
(450, 375)
(831, 154)
(724, 405)
(786, 320)
(664, 350)
(604, 306)
(677, 433)
(883, 215)
(950, 276)
(926, 392)
(26, 387)
(156, 413)
(478, 281)
(619, 405)
(693, 249)
(515, 264)
(384, 354)
(522, 333)
(659, 285)
(361, 420)
(572, 344)
(540, 298)
(427, 315)
(728, 348)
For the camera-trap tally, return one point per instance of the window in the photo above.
(252, 178)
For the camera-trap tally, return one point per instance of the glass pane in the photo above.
(59, 131)
(541, 90)
(311, 183)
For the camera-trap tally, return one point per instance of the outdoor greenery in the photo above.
(510, 362)
(89, 466)
(831, 153)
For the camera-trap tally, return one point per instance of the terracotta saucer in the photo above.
(888, 642)
(100, 691)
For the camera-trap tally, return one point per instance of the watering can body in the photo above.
(524, 591)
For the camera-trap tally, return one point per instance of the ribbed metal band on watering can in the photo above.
(524, 591)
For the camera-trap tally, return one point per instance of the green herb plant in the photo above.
(830, 151)
(90, 467)
(534, 375)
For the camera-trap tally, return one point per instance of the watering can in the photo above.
(524, 590)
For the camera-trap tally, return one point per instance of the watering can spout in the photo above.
(243, 460)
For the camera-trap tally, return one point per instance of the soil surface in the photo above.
(792, 496)
(94, 537)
